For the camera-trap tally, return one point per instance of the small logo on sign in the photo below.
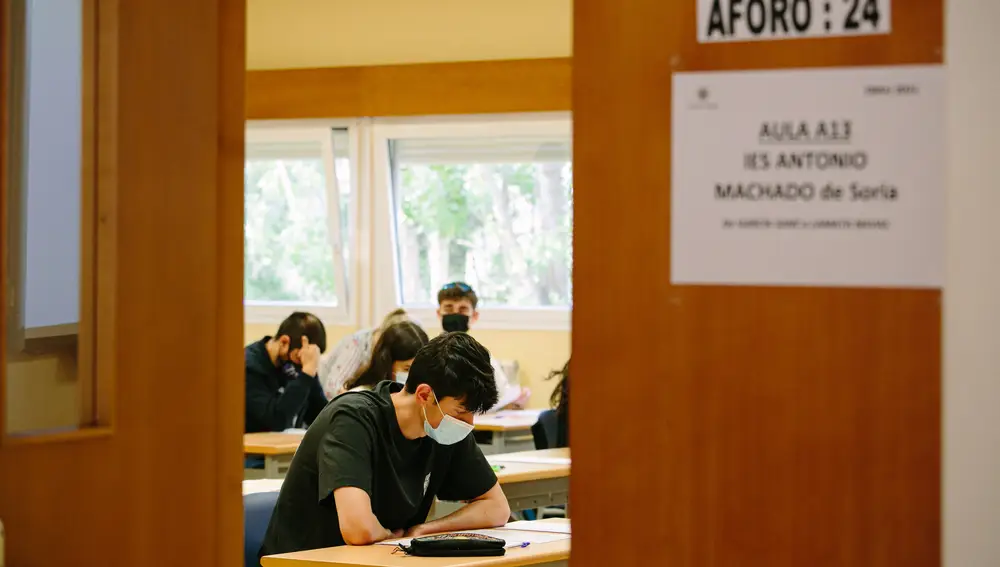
(704, 101)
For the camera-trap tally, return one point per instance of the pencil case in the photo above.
(455, 545)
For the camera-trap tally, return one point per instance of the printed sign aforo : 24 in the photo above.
(757, 20)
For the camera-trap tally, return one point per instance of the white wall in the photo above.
(972, 293)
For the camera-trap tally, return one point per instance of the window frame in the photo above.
(323, 132)
(387, 290)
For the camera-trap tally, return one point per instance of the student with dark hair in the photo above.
(349, 356)
(458, 310)
(281, 386)
(560, 403)
(374, 460)
(392, 356)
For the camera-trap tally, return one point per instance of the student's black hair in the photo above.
(301, 324)
(560, 395)
(455, 365)
(458, 291)
(398, 341)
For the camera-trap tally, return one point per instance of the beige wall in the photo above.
(971, 300)
(42, 393)
(285, 34)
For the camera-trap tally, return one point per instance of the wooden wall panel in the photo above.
(733, 426)
(163, 486)
(528, 85)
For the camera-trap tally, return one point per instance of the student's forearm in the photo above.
(488, 513)
(365, 533)
(358, 525)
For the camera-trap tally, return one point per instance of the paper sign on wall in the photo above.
(755, 20)
(829, 177)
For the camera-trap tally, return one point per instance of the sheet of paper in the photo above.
(295, 431)
(514, 539)
(548, 527)
(526, 414)
(528, 458)
(809, 177)
(509, 393)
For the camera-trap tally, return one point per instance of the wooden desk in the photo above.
(554, 554)
(276, 448)
(508, 430)
(535, 456)
(532, 485)
(527, 485)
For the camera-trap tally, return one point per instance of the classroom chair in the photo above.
(545, 431)
(257, 509)
(546, 434)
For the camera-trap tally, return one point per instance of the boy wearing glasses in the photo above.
(458, 311)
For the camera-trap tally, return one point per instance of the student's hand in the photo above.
(309, 355)
(417, 531)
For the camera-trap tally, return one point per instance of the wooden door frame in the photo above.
(168, 148)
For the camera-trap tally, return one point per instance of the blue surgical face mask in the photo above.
(401, 376)
(451, 430)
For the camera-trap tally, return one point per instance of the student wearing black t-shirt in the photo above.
(281, 389)
(373, 461)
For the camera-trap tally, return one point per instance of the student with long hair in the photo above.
(392, 355)
(347, 358)
(560, 395)
(552, 429)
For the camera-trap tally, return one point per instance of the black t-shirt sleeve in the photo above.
(469, 474)
(345, 452)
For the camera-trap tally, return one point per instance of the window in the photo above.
(297, 223)
(487, 203)
(55, 384)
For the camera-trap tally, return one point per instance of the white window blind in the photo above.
(494, 211)
(509, 149)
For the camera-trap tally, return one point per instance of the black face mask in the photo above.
(455, 323)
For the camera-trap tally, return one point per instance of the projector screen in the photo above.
(51, 175)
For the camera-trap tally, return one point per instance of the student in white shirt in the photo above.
(458, 311)
(347, 358)
(392, 356)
